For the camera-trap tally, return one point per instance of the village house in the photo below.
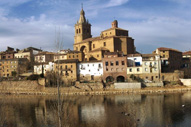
(90, 71)
(67, 55)
(144, 66)
(8, 54)
(67, 70)
(27, 53)
(186, 54)
(13, 67)
(44, 57)
(114, 67)
(43, 68)
(170, 59)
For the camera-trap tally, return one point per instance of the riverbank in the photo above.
(34, 88)
(74, 91)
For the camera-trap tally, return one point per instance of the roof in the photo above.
(45, 53)
(133, 55)
(113, 29)
(93, 61)
(167, 49)
(67, 61)
(186, 53)
(148, 55)
(15, 59)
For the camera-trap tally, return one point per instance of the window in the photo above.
(66, 66)
(138, 69)
(104, 43)
(93, 45)
(79, 30)
(106, 63)
(97, 55)
(106, 69)
(130, 70)
(111, 63)
(111, 69)
(71, 66)
(146, 69)
(123, 62)
(146, 63)
(99, 65)
(117, 63)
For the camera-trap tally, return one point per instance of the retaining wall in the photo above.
(127, 85)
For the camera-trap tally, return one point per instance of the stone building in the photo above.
(13, 67)
(27, 53)
(186, 54)
(171, 59)
(44, 57)
(144, 66)
(67, 70)
(43, 68)
(8, 54)
(114, 67)
(113, 39)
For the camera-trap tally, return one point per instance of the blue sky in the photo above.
(152, 23)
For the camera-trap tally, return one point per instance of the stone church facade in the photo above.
(111, 40)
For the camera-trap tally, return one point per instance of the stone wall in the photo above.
(127, 85)
(20, 85)
(172, 76)
(151, 84)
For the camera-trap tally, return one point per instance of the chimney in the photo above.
(114, 24)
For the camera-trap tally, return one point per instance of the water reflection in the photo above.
(97, 111)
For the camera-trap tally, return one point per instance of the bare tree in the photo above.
(59, 46)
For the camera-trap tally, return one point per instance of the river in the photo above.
(127, 110)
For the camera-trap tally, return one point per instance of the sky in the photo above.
(152, 23)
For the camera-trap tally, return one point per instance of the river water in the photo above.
(127, 110)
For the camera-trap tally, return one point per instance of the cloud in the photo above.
(113, 3)
(31, 32)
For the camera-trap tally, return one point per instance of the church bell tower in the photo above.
(82, 28)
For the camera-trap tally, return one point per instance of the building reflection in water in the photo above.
(97, 111)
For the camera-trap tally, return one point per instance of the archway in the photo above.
(83, 50)
(120, 79)
(109, 79)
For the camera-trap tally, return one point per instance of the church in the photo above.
(113, 39)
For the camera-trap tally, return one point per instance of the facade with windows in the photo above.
(68, 55)
(13, 67)
(67, 70)
(114, 67)
(171, 59)
(40, 68)
(148, 67)
(44, 57)
(90, 71)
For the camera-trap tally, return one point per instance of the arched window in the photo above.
(79, 30)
